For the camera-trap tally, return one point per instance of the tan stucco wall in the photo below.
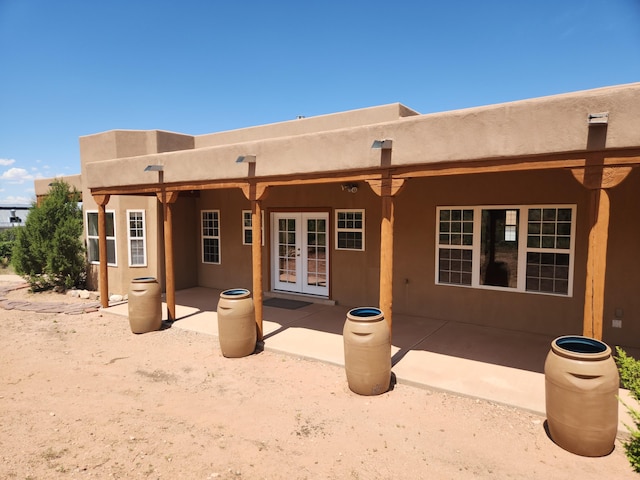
(121, 275)
(235, 267)
(125, 143)
(549, 125)
(320, 123)
(131, 143)
(623, 263)
(415, 291)
(355, 275)
(41, 185)
(185, 242)
(544, 128)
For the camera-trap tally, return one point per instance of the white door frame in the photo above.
(300, 252)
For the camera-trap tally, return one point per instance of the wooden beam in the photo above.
(256, 263)
(597, 176)
(596, 264)
(386, 259)
(101, 201)
(255, 191)
(386, 188)
(168, 199)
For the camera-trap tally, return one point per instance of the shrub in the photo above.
(48, 250)
(629, 369)
(7, 241)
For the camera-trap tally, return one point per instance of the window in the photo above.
(350, 229)
(247, 232)
(93, 251)
(549, 249)
(455, 243)
(493, 247)
(210, 236)
(137, 238)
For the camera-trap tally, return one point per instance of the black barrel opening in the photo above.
(581, 345)
(365, 312)
(236, 291)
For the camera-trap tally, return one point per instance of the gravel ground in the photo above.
(81, 396)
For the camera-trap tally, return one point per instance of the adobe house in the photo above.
(523, 215)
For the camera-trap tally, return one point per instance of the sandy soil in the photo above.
(81, 396)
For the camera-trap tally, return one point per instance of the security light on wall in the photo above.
(384, 144)
(246, 159)
(154, 168)
(598, 118)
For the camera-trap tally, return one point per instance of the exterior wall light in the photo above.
(350, 187)
(154, 168)
(384, 144)
(246, 159)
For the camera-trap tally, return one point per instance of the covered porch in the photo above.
(497, 365)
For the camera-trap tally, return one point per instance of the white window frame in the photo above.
(523, 249)
(249, 227)
(339, 230)
(96, 237)
(213, 237)
(130, 238)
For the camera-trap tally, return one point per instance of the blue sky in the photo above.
(70, 68)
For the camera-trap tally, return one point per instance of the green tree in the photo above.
(629, 369)
(48, 250)
(7, 241)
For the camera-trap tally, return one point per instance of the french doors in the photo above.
(300, 255)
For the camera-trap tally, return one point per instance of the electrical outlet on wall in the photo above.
(616, 323)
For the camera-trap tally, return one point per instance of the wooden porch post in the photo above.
(168, 199)
(101, 201)
(386, 258)
(256, 194)
(386, 188)
(598, 180)
(596, 263)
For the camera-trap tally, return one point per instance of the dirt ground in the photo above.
(81, 396)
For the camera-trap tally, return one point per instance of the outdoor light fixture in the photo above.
(350, 187)
(246, 159)
(154, 168)
(598, 118)
(384, 144)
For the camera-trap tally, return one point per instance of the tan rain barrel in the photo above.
(236, 323)
(145, 305)
(367, 351)
(581, 385)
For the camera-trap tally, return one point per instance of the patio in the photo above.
(501, 366)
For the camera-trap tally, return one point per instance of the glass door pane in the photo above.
(287, 251)
(499, 248)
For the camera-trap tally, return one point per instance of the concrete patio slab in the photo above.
(501, 366)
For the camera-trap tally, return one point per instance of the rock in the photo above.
(84, 294)
(73, 293)
(115, 298)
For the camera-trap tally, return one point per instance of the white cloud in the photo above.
(16, 175)
(5, 162)
(17, 199)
